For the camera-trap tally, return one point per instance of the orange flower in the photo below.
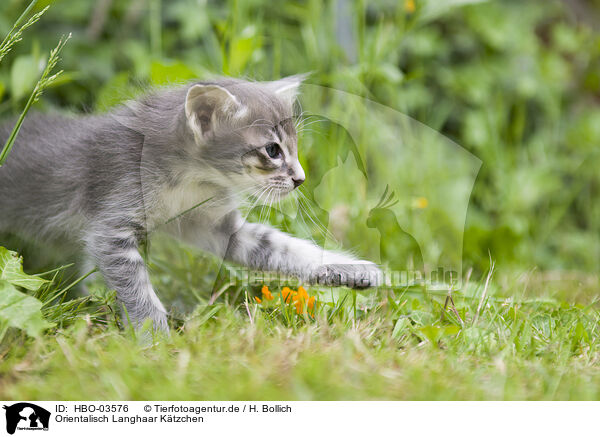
(287, 294)
(299, 306)
(302, 292)
(300, 299)
(266, 293)
(409, 6)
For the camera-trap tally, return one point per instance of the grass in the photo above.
(528, 337)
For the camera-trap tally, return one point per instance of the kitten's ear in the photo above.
(204, 103)
(288, 87)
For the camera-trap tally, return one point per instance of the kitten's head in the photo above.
(246, 131)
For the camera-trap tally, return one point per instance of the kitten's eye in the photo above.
(273, 150)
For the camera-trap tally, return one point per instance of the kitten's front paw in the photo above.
(361, 274)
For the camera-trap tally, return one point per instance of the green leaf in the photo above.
(21, 311)
(401, 327)
(164, 73)
(24, 75)
(435, 8)
(243, 48)
(11, 271)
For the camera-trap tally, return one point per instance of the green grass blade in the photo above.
(44, 82)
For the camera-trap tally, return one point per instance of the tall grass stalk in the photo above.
(45, 81)
(14, 36)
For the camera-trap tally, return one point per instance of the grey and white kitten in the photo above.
(105, 181)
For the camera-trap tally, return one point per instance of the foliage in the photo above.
(18, 309)
(45, 303)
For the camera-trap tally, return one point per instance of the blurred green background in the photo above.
(516, 83)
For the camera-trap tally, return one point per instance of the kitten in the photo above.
(104, 181)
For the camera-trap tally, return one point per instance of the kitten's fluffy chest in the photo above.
(201, 199)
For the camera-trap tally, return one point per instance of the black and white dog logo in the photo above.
(26, 416)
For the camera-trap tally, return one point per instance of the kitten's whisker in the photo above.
(262, 209)
(304, 124)
(269, 198)
(322, 229)
(262, 191)
(304, 131)
(262, 206)
(279, 198)
(249, 199)
(302, 117)
(310, 213)
(304, 224)
(263, 203)
(326, 235)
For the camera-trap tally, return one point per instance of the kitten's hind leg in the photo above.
(116, 254)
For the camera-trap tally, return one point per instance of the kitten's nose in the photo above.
(297, 174)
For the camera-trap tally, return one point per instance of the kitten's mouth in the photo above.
(282, 192)
(271, 193)
(282, 189)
